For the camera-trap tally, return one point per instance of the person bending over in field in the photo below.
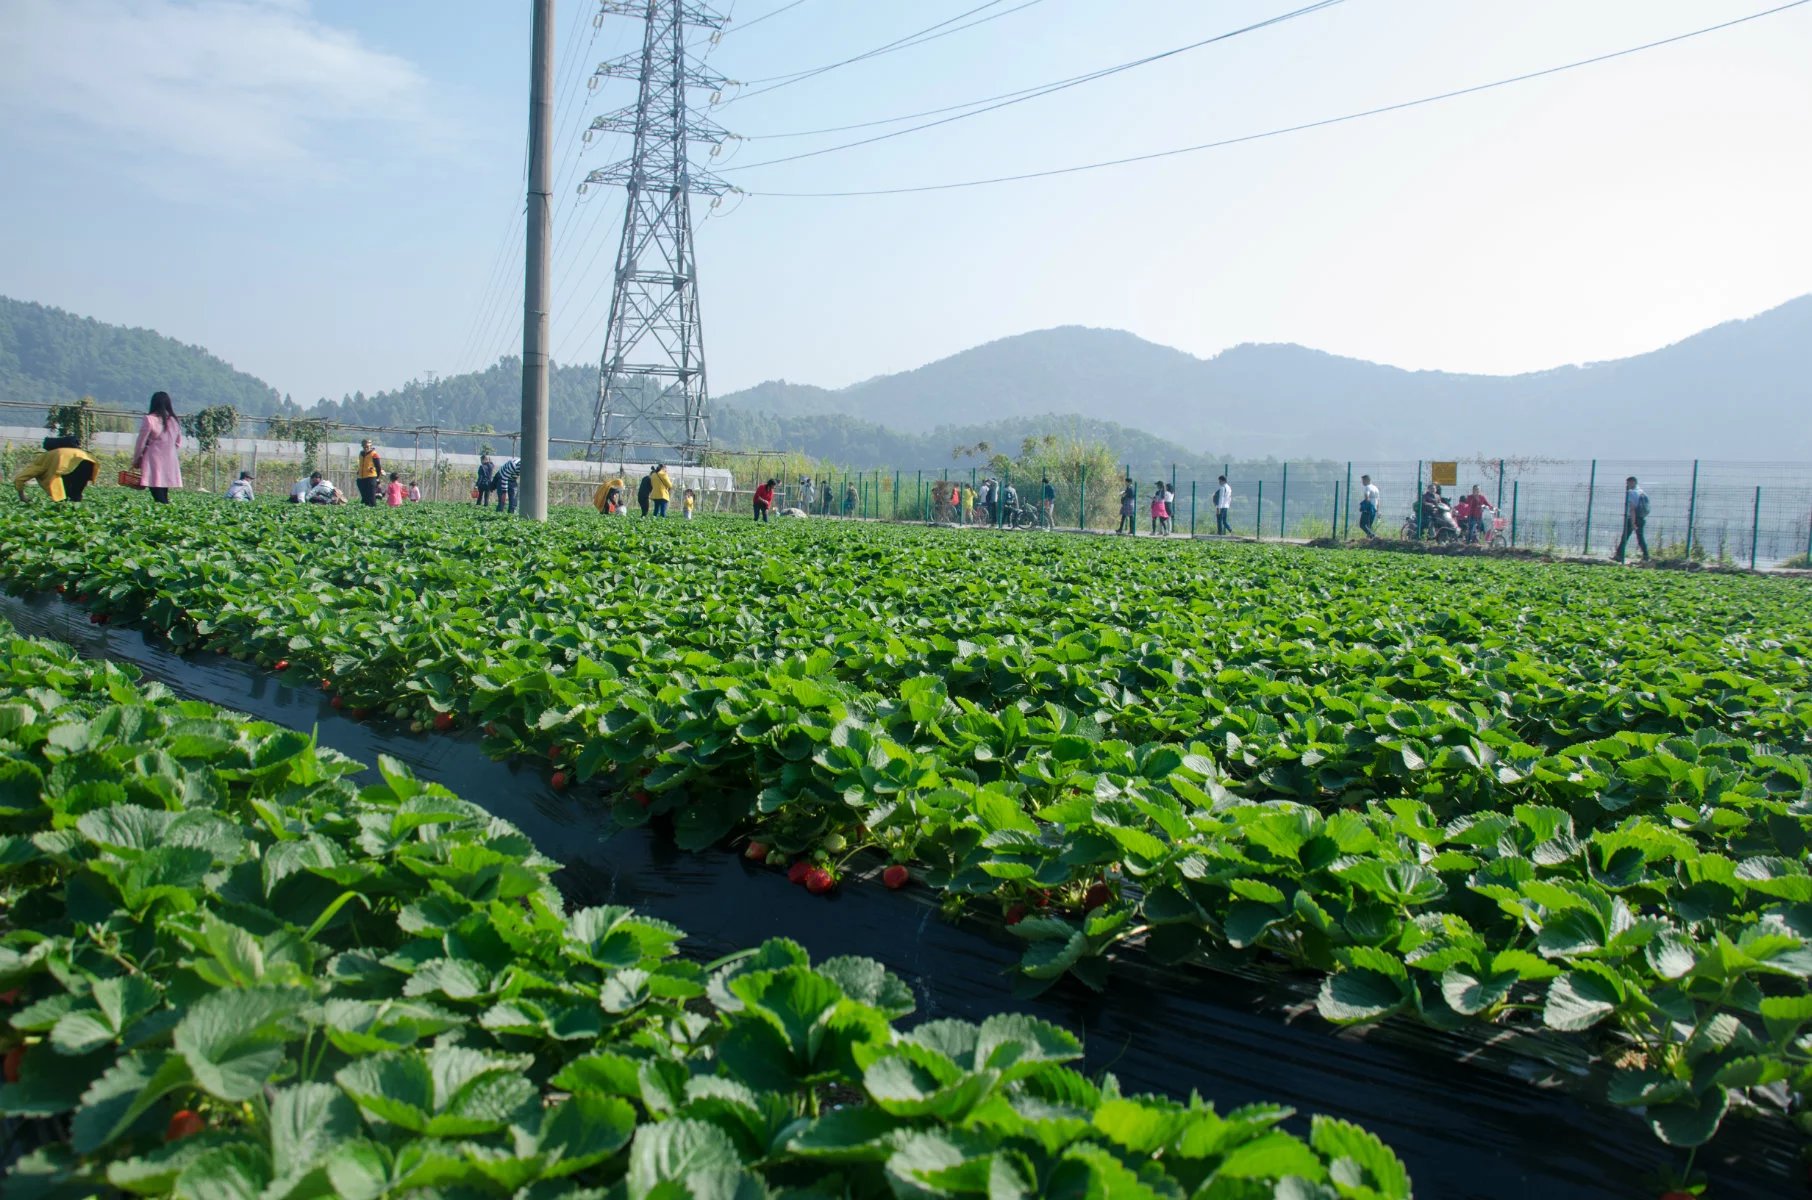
(764, 500)
(240, 488)
(63, 471)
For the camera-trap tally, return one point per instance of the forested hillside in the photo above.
(50, 356)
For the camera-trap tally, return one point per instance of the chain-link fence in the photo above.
(1744, 514)
(1740, 514)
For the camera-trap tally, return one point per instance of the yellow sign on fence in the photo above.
(1447, 474)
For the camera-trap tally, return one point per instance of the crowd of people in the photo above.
(653, 495)
(64, 471)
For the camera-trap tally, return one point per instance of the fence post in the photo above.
(1082, 501)
(1283, 504)
(1258, 521)
(896, 494)
(1755, 527)
(1692, 505)
(1173, 480)
(1347, 524)
(1334, 521)
(1500, 483)
(1515, 487)
(1591, 491)
(1418, 500)
(1191, 507)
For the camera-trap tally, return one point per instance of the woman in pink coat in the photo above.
(154, 455)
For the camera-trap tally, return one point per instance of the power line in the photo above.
(928, 34)
(1048, 89)
(762, 17)
(1270, 133)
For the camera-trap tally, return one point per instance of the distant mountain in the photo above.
(52, 356)
(1737, 391)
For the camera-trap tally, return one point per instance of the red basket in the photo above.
(131, 479)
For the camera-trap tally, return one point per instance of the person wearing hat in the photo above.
(63, 472)
(660, 489)
(241, 488)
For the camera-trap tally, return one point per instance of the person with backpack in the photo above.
(487, 479)
(1635, 517)
(1129, 509)
(1223, 506)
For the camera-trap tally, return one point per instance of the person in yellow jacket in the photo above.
(660, 489)
(63, 473)
(608, 499)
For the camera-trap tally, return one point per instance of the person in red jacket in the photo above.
(764, 500)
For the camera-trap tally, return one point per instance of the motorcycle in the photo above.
(1437, 521)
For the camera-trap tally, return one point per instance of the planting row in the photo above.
(230, 972)
(1563, 799)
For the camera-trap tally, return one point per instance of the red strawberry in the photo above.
(490, 727)
(1096, 896)
(59, 589)
(359, 714)
(9, 1069)
(443, 721)
(553, 754)
(1016, 914)
(1042, 899)
(9, 996)
(559, 781)
(757, 851)
(895, 876)
(643, 798)
(797, 872)
(819, 881)
(281, 664)
(186, 1123)
(339, 702)
(327, 685)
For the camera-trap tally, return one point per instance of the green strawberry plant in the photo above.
(231, 973)
(1543, 799)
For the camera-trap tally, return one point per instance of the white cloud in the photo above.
(256, 85)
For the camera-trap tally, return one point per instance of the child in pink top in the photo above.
(393, 495)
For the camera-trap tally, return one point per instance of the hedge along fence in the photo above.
(233, 973)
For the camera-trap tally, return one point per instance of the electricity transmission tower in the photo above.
(651, 381)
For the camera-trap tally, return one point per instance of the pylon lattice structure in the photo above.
(652, 396)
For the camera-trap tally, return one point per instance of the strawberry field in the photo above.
(1573, 804)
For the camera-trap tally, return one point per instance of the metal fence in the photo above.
(1756, 514)
(1744, 514)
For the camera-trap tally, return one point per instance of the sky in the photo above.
(328, 194)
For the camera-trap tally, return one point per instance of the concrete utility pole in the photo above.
(535, 288)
